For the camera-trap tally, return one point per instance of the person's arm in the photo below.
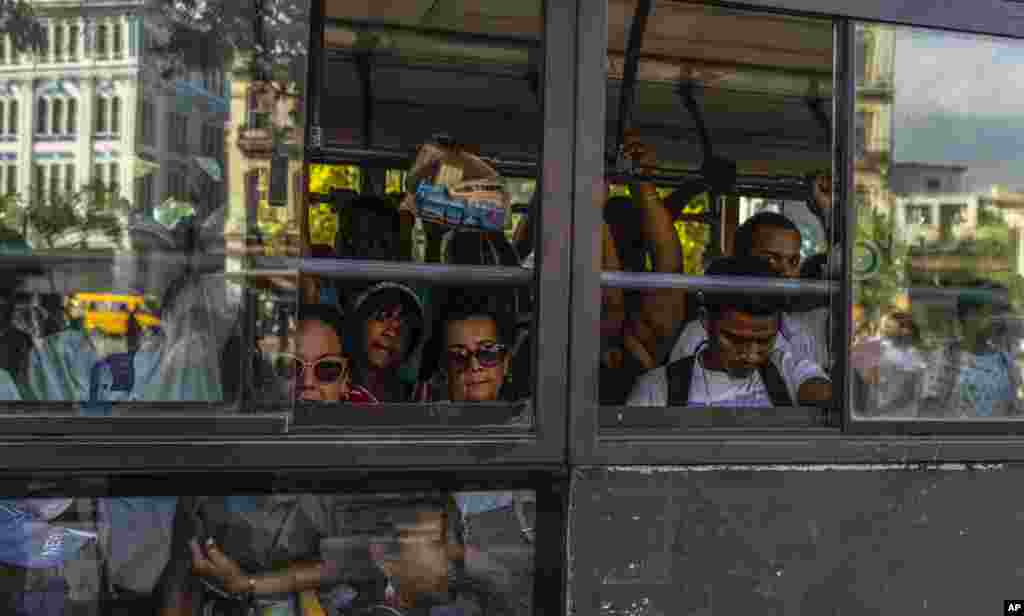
(297, 577)
(661, 310)
(613, 304)
(813, 387)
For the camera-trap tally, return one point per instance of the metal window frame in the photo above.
(549, 484)
(851, 441)
(155, 441)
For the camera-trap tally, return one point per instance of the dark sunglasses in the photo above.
(488, 356)
(288, 366)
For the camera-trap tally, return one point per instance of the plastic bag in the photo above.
(29, 540)
(450, 186)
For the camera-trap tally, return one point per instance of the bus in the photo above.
(886, 133)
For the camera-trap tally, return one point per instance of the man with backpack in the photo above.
(739, 365)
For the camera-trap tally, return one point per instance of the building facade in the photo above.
(93, 106)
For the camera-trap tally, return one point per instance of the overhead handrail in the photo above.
(627, 94)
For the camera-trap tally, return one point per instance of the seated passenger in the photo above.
(314, 367)
(471, 343)
(236, 553)
(384, 329)
(740, 365)
(774, 238)
(417, 548)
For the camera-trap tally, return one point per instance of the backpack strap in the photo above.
(778, 393)
(679, 374)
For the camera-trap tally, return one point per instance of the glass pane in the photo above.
(938, 286)
(129, 250)
(282, 554)
(712, 159)
(431, 131)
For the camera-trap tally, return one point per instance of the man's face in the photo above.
(424, 556)
(744, 341)
(475, 361)
(386, 330)
(780, 247)
(316, 341)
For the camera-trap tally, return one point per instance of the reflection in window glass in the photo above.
(283, 554)
(140, 292)
(938, 272)
(737, 143)
(464, 95)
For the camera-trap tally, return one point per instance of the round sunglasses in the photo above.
(326, 369)
(488, 356)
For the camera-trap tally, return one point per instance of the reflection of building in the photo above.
(262, 115)
(92, 106)
(936, 213)
(932, 202)
(876, 47)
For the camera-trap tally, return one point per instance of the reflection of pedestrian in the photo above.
(890, 370)
(133, 332)
(985, 375)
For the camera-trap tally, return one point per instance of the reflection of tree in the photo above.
(992, 242)
(693, 236)
(75, 219)
(880, 288)
(323, 219)
(266, 39)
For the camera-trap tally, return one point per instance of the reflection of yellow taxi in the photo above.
(109, 312)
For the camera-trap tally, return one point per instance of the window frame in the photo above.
(850, 440)
(154, 445)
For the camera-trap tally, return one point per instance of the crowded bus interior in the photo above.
(435, 253)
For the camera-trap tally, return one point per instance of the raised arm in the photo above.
(661, 310)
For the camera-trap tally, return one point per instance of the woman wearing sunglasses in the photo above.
(315, 367)
(471, 350)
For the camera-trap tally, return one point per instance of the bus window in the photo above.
(716, 140)
(440, 170)
(451, 551)
(936, 258)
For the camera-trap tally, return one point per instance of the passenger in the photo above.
(649, 319)
(774, 238)
(315, 368)
(740, 365)
(471, 342)
(889, 370)
(234, 554)
(384, 329)
(417, 548)
(826, 265)
(15, 344)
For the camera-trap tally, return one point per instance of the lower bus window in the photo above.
(286, 554)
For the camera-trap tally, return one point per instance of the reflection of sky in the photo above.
(958, 101)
